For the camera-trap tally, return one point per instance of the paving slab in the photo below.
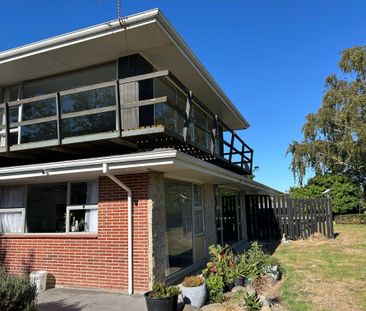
(64, 299)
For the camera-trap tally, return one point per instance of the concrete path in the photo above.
(61, 299)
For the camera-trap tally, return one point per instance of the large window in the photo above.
(50, 208)
(185, 225)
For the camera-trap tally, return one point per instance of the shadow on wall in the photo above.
(60, 305)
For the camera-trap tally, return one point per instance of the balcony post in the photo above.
(7, 131)
(187, 115)
(213, 135)
(231, 145)
(118, 109)
(58, 114)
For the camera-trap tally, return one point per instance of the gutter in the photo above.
(130, 220)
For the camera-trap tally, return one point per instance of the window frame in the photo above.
(15, 210)
(78, 207)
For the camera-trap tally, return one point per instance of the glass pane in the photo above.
(178, 206)
(12, 197)
(46, 208)
(201, 137)
(91, 124)
(98, 98)
(70, 80)
(198, 221)
(13, 114)
(11, 93)
(13, 138)
(78, 194)
(11, 222)
(39, 132)
(84, 220)
(39, 109)
(197, 195)
(166, 115)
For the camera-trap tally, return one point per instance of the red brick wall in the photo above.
(96, 261)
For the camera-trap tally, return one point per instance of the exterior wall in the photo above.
(90, 260)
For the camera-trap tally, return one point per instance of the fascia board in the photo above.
(78, 36)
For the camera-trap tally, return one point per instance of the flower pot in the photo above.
(161, 304)
(239, 281)
(195, 296)
(228, 287)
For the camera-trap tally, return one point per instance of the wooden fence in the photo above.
(269, 217)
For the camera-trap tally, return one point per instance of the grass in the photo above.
(324, 275)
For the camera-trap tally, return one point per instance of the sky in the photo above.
(270, 57)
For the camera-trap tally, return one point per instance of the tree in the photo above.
(335, 136)
(345, 194)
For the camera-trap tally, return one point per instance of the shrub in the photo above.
(16, 293)
(193, 281)
(215, 289)
(162, 291)
(354, 219)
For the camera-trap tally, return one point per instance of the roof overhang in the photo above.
(174, 164)
(148, 33)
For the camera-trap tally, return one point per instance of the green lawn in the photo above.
(325, 274)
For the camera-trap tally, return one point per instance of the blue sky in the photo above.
(270, 57)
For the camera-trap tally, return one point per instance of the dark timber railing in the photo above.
(139, 105)
(271, 217)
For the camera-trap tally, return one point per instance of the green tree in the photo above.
(345, 194)
(335, 136)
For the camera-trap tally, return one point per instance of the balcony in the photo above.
(133, 114)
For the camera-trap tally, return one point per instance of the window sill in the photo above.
(80, 235)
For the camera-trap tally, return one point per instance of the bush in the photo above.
(162, 291)
(16, 293)
(354, 219)
(215, 289)
(193, 281)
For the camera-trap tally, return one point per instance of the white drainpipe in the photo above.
(129, 215)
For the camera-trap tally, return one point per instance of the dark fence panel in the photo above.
(271, 217)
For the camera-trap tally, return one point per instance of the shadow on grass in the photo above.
(60, 305)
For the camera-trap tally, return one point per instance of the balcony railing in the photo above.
(145, 104)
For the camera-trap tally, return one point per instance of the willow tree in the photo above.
(335, 136)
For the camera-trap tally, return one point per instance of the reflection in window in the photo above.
(178, 206)
(39, 132)
(91, 124)
(46, 208)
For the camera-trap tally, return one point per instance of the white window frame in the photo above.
(78, 207)
(14, 211)
(200, 234)
(17, 209)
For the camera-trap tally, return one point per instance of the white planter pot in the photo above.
(195, 296)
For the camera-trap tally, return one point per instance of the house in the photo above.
(120, 163)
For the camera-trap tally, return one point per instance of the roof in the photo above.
(148, 33)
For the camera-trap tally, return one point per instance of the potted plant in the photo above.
(240, 271)
(162, 298)
(194, 291)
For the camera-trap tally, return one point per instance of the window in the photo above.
(12, 209)
(185, 225)
(46, 208)
(82, 208)
(50, 208)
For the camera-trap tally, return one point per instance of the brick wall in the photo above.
(92, 260)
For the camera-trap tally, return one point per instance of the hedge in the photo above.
(354, 219)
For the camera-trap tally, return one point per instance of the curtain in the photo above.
(11, 222)
(91, 220)
(92, 193)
